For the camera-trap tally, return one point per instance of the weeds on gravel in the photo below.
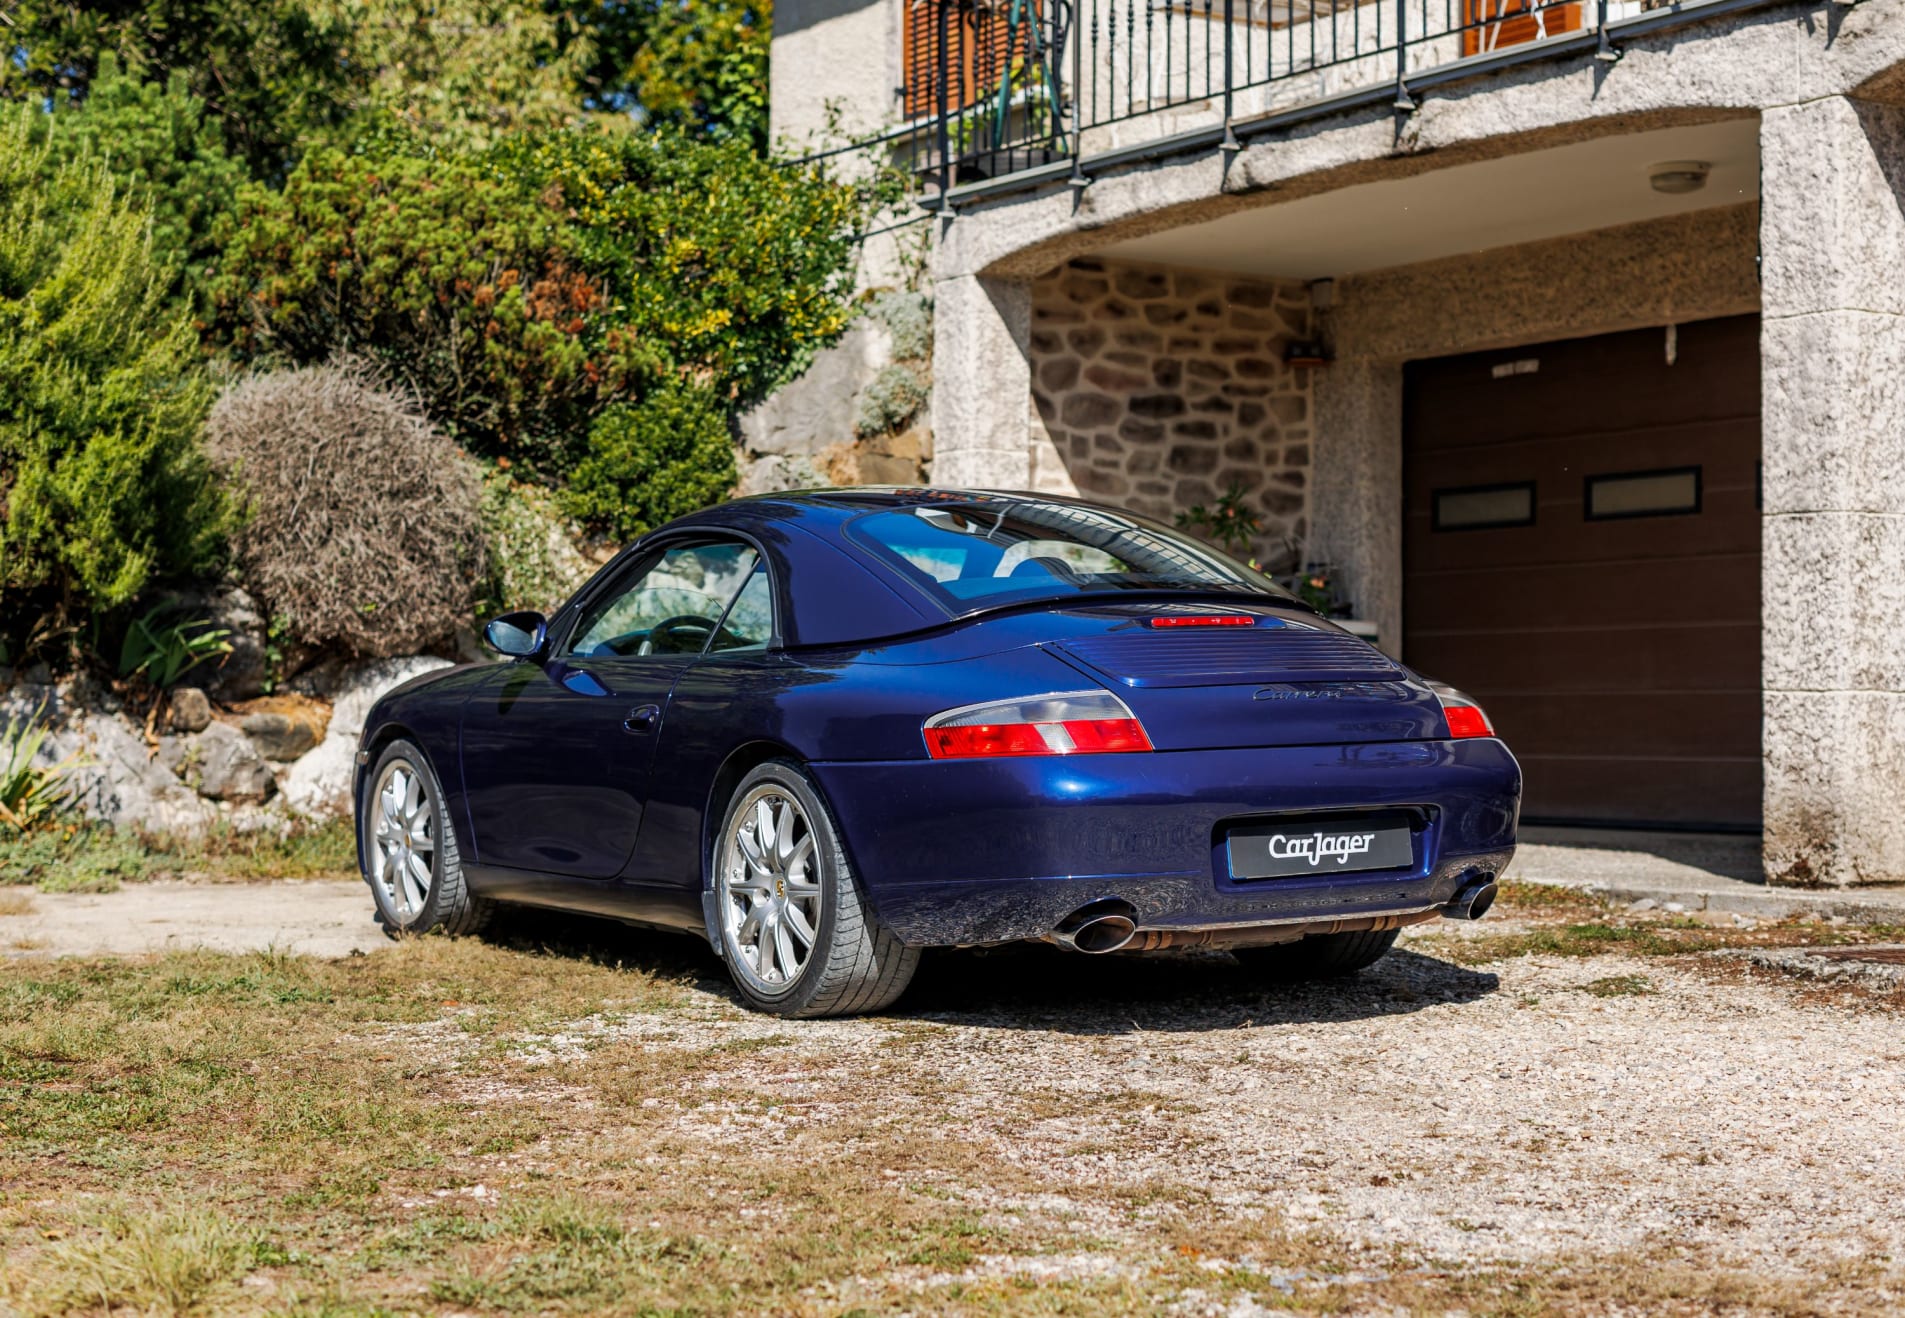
(1619, 986)
(1681, 936)
(93, 858)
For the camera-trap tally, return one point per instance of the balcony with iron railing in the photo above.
(1015, 92)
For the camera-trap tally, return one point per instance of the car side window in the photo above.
(671, 607)
(750, 621)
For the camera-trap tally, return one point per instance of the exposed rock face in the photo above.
(219, 763)
(284, 727)
(814, 431)
(319, 783)
(118, 782)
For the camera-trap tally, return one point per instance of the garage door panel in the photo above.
(1715, 588)
(1728, 524)
(1619, 655)
(1679, 724)
(1727, 658)
(1617, 790)
(1702, 383)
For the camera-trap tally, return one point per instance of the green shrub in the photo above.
(162, 149)
(533, 560)
(650, 463)
(908, 317)
(104, 490)
(453, 280)
(890, 400)
(31, 795)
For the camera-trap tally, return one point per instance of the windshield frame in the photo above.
(1248, 583)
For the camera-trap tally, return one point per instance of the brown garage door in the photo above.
(1581, 554)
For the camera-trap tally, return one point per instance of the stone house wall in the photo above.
(1158, 388)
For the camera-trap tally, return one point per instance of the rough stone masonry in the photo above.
(1160, 388)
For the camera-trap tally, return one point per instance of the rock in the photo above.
(189, 710)
(28, 701)
(319, 784)
(1677, 908)
(219, 763)
(6, 677)
(242, 673)
(39, 675)
(284, 727)
(117, 781)
(817, 410)
(1644, 904)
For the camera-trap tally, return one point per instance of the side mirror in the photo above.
(518, 635)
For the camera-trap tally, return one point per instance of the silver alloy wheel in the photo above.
(405, 838)
(770, 890)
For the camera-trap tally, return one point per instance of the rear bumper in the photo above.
(990, 851)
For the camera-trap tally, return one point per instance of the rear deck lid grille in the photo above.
(1272, 651)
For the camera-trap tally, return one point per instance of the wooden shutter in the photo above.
(1494, 24)
(980, 47)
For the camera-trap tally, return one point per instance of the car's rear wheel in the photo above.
(409, 848)
(798, 936)
(1320, 956)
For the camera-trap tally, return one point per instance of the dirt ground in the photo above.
(1565, 1108)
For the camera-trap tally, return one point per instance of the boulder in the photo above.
(220, 764)
(319, 784)
(284, 727)
(117, 781)
(188, 710)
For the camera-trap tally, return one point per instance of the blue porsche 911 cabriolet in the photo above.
(829, 729)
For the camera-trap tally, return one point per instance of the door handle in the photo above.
(641, 719)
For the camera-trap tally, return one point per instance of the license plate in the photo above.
(1339, 846)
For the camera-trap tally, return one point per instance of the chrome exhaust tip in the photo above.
(1472, 900)
(1096, 929)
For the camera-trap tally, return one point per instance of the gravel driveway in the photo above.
(1533, 1109)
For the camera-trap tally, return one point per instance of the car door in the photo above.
(557, 753)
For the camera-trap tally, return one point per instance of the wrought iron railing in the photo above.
(994, 87)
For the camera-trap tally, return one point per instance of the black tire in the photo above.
(1320, 956)
(853, 964)
(447, 906)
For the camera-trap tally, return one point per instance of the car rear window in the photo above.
(973, 555)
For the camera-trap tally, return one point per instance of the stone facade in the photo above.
(1159, 389)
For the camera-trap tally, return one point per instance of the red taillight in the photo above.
(1204, 620)
(1068, 723)
(1467, 721)
(1465, 717)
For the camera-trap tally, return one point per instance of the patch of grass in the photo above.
(1547, 898)
(1619, 986)
(93, 858)
(1675, 936)
(166, 1263)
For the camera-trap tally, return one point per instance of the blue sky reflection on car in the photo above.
(826, 730)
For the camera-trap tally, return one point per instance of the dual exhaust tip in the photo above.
(1110, 925)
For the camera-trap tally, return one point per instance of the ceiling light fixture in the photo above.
(1678, 177)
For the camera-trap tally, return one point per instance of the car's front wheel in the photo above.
(409, 850)
(1320, 956)
(798, 937)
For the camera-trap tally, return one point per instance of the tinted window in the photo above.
(750, 623)
(669, 607)
(974, 554)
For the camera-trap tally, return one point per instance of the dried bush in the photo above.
(361, 522)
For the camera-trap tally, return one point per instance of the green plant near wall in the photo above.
(31, 795)
(162, 652)
(1227, 523)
